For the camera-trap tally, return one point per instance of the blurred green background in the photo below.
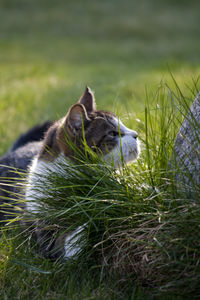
(49, 51)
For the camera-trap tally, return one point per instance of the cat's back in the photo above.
(13, 166)
(20, 158)
(15, 163)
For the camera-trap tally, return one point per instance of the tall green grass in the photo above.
(140, 232)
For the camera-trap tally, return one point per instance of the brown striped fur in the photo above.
(99, 129)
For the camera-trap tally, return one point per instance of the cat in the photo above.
(104, 134)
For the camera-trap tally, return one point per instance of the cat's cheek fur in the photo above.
(127, 150)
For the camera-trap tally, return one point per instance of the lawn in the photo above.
(49, 51)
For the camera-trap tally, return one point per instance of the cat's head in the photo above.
(103, 131)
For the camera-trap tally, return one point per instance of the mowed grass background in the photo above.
(49, 51)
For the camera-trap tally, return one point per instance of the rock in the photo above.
(187, 151)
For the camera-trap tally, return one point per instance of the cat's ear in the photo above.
(88, 100)
(76, 116)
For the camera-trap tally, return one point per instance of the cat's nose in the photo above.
(134, 134)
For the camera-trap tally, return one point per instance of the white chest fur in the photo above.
(38, 172)
(35, 191)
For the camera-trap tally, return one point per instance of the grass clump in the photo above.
(138, 228)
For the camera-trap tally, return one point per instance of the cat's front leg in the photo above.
(54, 245)
(51, 243)
(73, 242)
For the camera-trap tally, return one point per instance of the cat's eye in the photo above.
(114, 133)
